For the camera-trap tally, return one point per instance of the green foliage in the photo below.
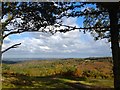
(88, 73)
(35, 14)
(96, 16)
(5, 67)
(43, 68)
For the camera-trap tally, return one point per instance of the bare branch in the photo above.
(7, 30)
(73, 28)
(13, 32)
(13, 46)
(21, 31)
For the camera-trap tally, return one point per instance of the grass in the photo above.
(92, 82)
(52, 82)
(99, 82)
(35, 82)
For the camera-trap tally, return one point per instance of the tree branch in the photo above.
(7, 21)
(21, 31)
(13, 46)
(13, 32)
(78, 14)
(69, 28)
(73, 28)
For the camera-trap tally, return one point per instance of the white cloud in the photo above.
(69, 44)
(44, 47)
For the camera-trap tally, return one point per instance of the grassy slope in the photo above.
(54, 74)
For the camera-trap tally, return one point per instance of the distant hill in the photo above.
(10, 62)
(17, 60)
(99, 58)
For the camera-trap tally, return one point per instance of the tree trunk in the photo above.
(0, 59)
(1, 40)
(114, 30)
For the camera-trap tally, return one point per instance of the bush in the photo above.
(89, 73)
(78, 72)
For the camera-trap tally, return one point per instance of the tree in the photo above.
(114, 16)
(102, 21)
(25, 17)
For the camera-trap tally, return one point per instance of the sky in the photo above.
(72, 44)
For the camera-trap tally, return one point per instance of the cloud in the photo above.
(69, 44)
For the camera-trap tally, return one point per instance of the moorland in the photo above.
(58, 74)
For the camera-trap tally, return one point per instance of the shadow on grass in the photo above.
(24, 82)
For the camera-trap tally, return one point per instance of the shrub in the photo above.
(89, 73)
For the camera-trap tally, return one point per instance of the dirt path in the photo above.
(80, 86)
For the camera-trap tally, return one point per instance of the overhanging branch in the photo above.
(68, 28)
(13, 46)
(13, 32)
(8, 21)
(78, 14)
(79, 28)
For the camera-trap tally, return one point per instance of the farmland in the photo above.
(58, 74)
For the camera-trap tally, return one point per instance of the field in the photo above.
(62, 74)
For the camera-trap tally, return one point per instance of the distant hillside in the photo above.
(10, 62)
(17, 60)
(99, 58)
